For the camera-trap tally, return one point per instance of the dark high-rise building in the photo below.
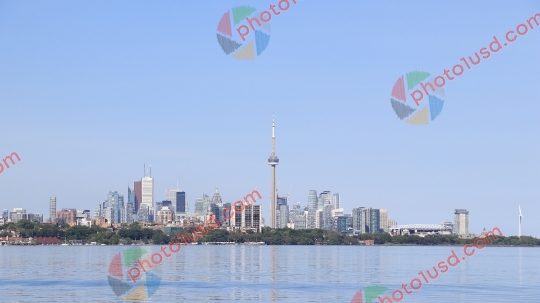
(180, 202)
(137, 188)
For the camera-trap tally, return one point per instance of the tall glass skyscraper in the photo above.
(312, 199)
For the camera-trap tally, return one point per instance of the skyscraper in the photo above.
(335, 200)
(461, 223)
(384, 219)
(273, 160)
(147, 193)
(137, 189)
(312, 199)
(324, 199)
(52, 209)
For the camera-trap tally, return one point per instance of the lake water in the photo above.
(242, 273)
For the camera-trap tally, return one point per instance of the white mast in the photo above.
(520, 216)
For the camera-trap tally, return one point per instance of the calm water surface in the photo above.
(241, 273)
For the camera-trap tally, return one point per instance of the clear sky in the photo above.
(90, 91)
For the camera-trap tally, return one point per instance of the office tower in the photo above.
(216, 198)
(282, 215)
(340, 224)
(327, 217)
(300, 220)
(375, 219)
(137, 189)
(175, 196)
(18, 214)
(324, 199)
(113, 208)
(366, 220)
(311, 218)
(319, 220)
(392, 223)
(164, 216)
(273, 160)
(5, 215)
(129, 212)
(207, 205)
(248, 219)
(52, 210)
(461, 223)
(335, 200)
(131, 206)
(199, 206)
(147, 192)
(143, 215)
(67, 216)
(312, 199)
(384, 220)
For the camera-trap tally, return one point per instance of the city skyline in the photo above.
(207, 124)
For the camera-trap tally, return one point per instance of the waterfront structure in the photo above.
(421, 230)
(273, 160)
(52, 209)
(461, 223)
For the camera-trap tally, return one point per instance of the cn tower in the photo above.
(273, 161)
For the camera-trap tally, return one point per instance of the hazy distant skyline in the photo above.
(92, 91)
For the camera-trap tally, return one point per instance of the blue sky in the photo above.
(92, 90)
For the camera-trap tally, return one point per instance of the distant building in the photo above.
(312, 199)
(52, 209)
(283, 215)
(383, 213)
(421, 230)
(461, 223)
(67, 216)
(335, 200)
(147, 192)
(178, 200)
(366, 220)
(375, 219)
(248, 219)
(391, 223)
(311, 218)
(137, 198)
(20, 214)
(165, 215)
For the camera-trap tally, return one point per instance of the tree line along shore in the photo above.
(16, 233)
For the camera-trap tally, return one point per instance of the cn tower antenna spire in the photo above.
(273, 160)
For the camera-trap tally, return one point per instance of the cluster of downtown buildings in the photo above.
(322, 211)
